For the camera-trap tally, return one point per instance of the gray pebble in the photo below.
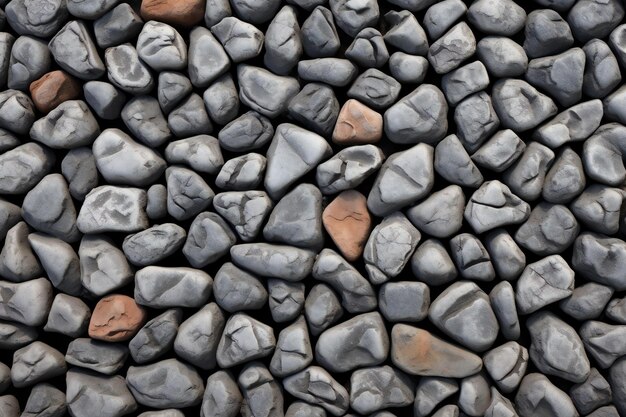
(221, 100)
(357, 295)
(404, 301)
(538, 397)
(602, 155)
(333, 71)
(293, 349)
(10, 406)
(262, 91)
(80, 171)
(89, 394)
(246, 211)
(542, 283)
(322, 308)
(432, 264)
(30, 18)
(153, 244)
(59, 260)
(241, 40)
(280, 261)
(302, 409)
(598, 208)
(506, 365)
(68, 315)
(103, 266)
(368, 49)
(74, 50)
(442, 15)
(156, 337)
(520, 106)
(315, 107)
(172, 88)
(430, 392)
(198, 336)
(14, 336)
(454, 47)
(453, 162)
(249, 131)
(35, 363)
(405, 33)
(207, 58)
(102, 210)
(242, 173)
(202, 153)
(560, 75)
(616, 375)
(352, 18)
(91, 9)
(546, 33)
(161, 47)
(262, 394)
(407, 68)
(119, 25)
(592, 393)
(142, 115)
(500, 405)
(6, 44)
(508, 259)
(45, 401)
(168, 383)
(502, 17)
(222, 397)
(475, 394)
(10, 215)
(602, 73)
(373, 389)
(502, 299)
(236, 290)
(105, 100)
(68, 126)
(348, 168)
(550, 229)
(127, 71)
(102, 357)
(283, 43)
(604, 342)
(502, 56)
(8, 140)
(244, 339)
(556, 348)
(209, 239)
(177, 287)
(375, 89)
(441, 213)
(527, 175)
(30, 59)
(17, 261)
(476, 120)
(471, 257)
(464, 81)
(608, 411)
(590, 19)
(319, 35)
(315, 385)
(17, 112)
(616, 310)
(613, 105)
(574, 124)
(255, 11)
(449, 410)
(286, 299)
(494, 205)
(187, 193)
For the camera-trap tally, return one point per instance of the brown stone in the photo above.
(116, 318)
(418, 352)
(348, 223)
(53, 89)
(357, 124)
(184, 13)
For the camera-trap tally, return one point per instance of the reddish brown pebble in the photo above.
(348, 222)
(116, 318)
(53, 89)
(184, 13)
(357, 124)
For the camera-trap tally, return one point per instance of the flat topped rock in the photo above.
(113, 209)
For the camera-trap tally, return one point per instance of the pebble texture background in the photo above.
(312, 208)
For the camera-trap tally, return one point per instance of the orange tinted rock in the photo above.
(185, 13)
(357, 124)
(418, 352)
(116, 318)
(53, 89)
(348, 223)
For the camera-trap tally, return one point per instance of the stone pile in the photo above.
(312, 208)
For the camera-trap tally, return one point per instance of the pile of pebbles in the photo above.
(307, 208)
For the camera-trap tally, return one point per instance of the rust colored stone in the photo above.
(116, 318)
(53, 89)
(183, 13)
(357, 124)
(348, 223)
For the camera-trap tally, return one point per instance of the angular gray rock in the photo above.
(497, 17)
(407, 68)
(244, 339)
(348, 168)
(572, 125)
(187, 193)
(246, 211)
(23, 167)
(35, 363)
(315, 107)
(430, 392)
(209, 238)
(475, 394)
(405, 33)
(222, 397)
(254, 11)
(262, 394)
(546, 33)
(520, 106)
(543, 282)
(249, 131)
(202, 153)
(153, 244)
(10, 215)
(377, 388)
(616, 374)
(368, 49)
(104, 98)
(80, 171)
(264, 92)
(14, 336)
(30, 59)
(235, 290)
(221, 100)
(156, 337)
(286, 299)
(464, 81)
(375, 88)
(89, 393)
(565, 179)
(527, 175)
(471, 258)
(602, 72)
(561, 76)
(242, 173)
(476, 120)
(442, 15)
(502, 56)
(319, 34)
(68, 315)
(167, 287)
(494, 205)
(453, 162)
(598, 208)
(241, 40)
(352, 18)
(432, 264)
(450, 50)
(606, 16)
(197, 337)
(286, 262)
(538, 397)
(404, 301)
(441, 214)
(74, 50)
(69, 125)
(26, 18)
(103, 266)
(17, 112)
(616, 310)
(316, 386)
(45, 400)
(142, 115)
(502, 298)
(207, 58)
(587, 301)
(283, 42)
(26, 302)
(302, 409)
(336, 72)
(604, 342)
(119, 25)
(293, 350)
(594, 392)
(322, 308)
(172, 88)
(18, 263)
(161, 47)
(113, 209)
(506, 365)
(550, 229)
(102, 357)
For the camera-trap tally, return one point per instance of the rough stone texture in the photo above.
(116, 318)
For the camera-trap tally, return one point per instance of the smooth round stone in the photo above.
(127, 71)
(161, 47)
(119, 25)
(29, 18)
(30, 59)
(74, 50)
(68, 126)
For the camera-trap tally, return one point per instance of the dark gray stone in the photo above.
(156, 337)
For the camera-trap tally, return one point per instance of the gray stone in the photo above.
(550, 229)
(449, 410)
(574, 124)
(221, 100)
(89, 394)
(604, 342)
(262, 394)
(163, 413)
(156, 337)
(69, 125)
(315, 107)
(153, 244)
(471, 257)
(608, 411)
(375, 88)
(60, 262)
(103, 266)
(502, 56)
(322, 308)
(373, 389)
(587, 301)
(143, 117)
(503, 17)
(500, 151)
(404, 301)
(602, 73)
(405, 33)
(464, 81)
(202, 153)
(283, 42)
(172, 88)
(286, 299)
(602, 155)
(355, 343)
(41, 20)
(207, 58)
(113, 209)
(502, 299)
(302, 409)
(241, 40)
(506, 365)
(222, 397)
(560, 75)
(167, 287)
(126, 70)
(244, 339)
(246, 211)
(68, 315)
(544, 282)
(368, 49)
(500, 406)
(538, 397)
(476, 120)
(590, 19)
(119, 25)
(209, 239)
(10, 406)
(430, 392)
(74, 50)
(592, 393)
(453, 162)
(35, 363)
(315, 385)
(161, 47)
(255, 11)
(105, 100)
(17, 260)
(198, 336)
(17, 113)
(14, 336)
(442, 15)
(520, 106)
(454, 47)
(80, 171)
(616, 310)
(10, 215)
(357, 295)
(236, 290)
(6, 43)
(168, 383)
(264, 92)
(102, 357)
(45, 401)
(353, 18)
(432, 264)
(556, 348)
(30, 59)
(616, 375)
(8, 140)
(336, 72)
(319, 35)
(440, 214)
(546, 33)
(187, 193)
(242, 173)
(613, 105)
(249, 131)
(293, 349)
(407, 68)
(493, 205)
(475, 395)
(280, 261)
(566, 178)
(89, 10)
(527, 175)
(348, 168)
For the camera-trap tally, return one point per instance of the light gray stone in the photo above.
(520, 106)
(471, 258)
(602, 73)
(322, 308)
(293, 350)
(315, 107)
(167, 287)
(405, 33)
(127, 71)
(538, 397)
(587, 301)
(172, 88)
(348, 168)
(35, 363)
(262, 394)
(430, 392)
(244, 339)
(17, 260)
(221, 100)
(594, 392)
(242, 173)
(264, 92)
(604, 342)
(198, 337)
(80, 171)
(506, 365)
(32, 18)
(119, 25)
(375, 89)
(286, 299)
(208, 240)
(68, 316)
(187, 193)
(502, 56)
(74, 50)
(452, 161)
(316, 386)
(17, 113)
(565, 179)
(475, 394)
(241, 40)
(30, 59)
(207, 58)
(377, 388)
(246, 211)
(161, 47)
(283, 41)
(153, 244)
(544, 282)
(59, 260)
(503, 17)
(222, 397)
(404, 301)
(368, 49)
(454, 47)
(89, 393)
(546, 33)
(606, 15)
(407, 68)
(14, 336)
(236, 290)
(319, 34)
(105, 100)
(502, 298)
(527, 175)
(113, 209)
(560, 75)
(432, 264)
(102, 357)
(550, 229)
(142, 115)
(103, 266)
(249, 131)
